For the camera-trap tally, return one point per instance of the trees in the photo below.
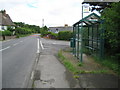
(22, 28)
(112, 25)
(111, 14)
(44, 31)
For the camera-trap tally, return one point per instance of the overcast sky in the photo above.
(54, 12)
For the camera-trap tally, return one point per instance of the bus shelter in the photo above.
(88, 37)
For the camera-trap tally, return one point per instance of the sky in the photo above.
(54, 12)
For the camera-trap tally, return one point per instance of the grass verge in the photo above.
(74, 67)
(111, 64)
(66, 62)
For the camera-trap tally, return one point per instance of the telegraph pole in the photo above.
(42, 22)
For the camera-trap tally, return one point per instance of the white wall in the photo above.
(2, 28)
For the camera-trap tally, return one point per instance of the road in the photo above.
(18, 56)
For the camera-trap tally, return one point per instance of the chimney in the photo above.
(66, 25)
(3, 12)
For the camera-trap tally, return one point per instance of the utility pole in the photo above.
(42, 22)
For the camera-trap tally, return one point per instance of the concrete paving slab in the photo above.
(52, 73)
(98, 81)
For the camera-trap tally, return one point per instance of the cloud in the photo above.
(54, 12)
(31, 6)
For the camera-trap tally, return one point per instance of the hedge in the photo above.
(65, 35)
(5, 33)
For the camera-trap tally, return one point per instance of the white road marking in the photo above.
(38, 46)
(21, 41)
(32, 75)
(5, 48)
(15, 44)
(41, 45)
(54, 43)
(36, 60)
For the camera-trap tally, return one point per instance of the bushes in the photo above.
(5, 33)
(65, 35)
(62, 35)
(44, 31)
(112, 26)
(23, 31)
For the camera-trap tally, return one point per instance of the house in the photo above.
(60, 28)
(5, 21)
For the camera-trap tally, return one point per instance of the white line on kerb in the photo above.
(5, 48)
(36, 60)
(41, 45)
(32, 74)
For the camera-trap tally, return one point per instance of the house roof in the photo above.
(61, 27)
(5, 19)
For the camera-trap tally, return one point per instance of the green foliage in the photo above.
(10, 28)
(0, 33)
(112, 25)
(5, 33)
(54, 34)
(65, 35)
(23, 28)
(110, 63)
(44, 31)
(67, 63)
(80, 64)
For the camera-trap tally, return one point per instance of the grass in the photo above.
(108, 61)
(74, 67)
(111, 64)
(66, 62)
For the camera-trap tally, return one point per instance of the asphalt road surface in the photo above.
(18, 56)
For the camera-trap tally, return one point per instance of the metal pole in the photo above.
(81, 53)
(78, 42)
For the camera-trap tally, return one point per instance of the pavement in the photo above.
(50, 73)
(97, 81)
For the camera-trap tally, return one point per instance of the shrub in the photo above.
(23, 31)
(53, 35)
(6, 33)
(0, 33)
(65, 35)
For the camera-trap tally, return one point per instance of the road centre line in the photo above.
(21, 41)
(5, 48)
(15, 44)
